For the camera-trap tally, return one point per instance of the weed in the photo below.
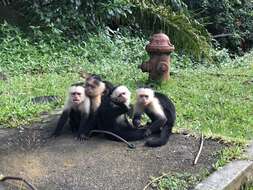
(227, 155)
(177, 181)
(247, 186)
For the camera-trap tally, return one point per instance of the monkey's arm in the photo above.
(84, 120)
(86, 126)
(116, 109)
(62, 121)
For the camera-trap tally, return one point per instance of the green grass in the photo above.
(218, 106)
(248, 185)
(176, 181)
(228, 154)
(16, 106)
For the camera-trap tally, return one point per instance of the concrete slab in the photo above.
(1, 187)
(232, 176)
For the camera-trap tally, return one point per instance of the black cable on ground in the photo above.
(132, 146)
(6, 178)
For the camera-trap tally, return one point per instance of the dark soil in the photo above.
(64, 163)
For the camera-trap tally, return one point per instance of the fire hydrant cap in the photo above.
(160, 43)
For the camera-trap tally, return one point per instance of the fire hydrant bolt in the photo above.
(162, 67)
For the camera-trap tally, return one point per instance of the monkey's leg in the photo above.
(156, 126)
(165, 133)
(159, 141)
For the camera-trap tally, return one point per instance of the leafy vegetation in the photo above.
(76, 18)
(188, 35)
(186, 22)
(226, 17)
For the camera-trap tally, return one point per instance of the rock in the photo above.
(3, 76)
(44, 99)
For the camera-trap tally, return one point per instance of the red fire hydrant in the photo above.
(159, 49)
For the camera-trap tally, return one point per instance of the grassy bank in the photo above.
(216, 102)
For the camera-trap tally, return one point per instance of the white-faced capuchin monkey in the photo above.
(97, 91)
(76, 109)
(160, 110)
(112, 116)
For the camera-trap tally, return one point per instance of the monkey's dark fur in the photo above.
(162, 114)
(76, 110)
(97, 90)
(112, 116)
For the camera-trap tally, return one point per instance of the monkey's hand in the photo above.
(82, 137)
(54, 135)
(119, 102)
(148, 132)
(137, 123)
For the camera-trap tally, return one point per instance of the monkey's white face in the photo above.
(145, 96)
(77, 94)
(121, 94)
(143, 99)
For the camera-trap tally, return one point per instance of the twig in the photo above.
(200, 149)
(222, 35)
(4, 178)
(154, 180)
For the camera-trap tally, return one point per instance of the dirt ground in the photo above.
(66, 164)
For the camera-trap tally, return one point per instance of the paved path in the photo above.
(64, 163)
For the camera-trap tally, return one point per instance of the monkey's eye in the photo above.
(87, 85)
(122, 94)
(76, 93)
(143, 96)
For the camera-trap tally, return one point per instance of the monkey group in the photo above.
(99, 105)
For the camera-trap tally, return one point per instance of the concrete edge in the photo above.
(232, 176)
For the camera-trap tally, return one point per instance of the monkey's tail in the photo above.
(132, 146)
